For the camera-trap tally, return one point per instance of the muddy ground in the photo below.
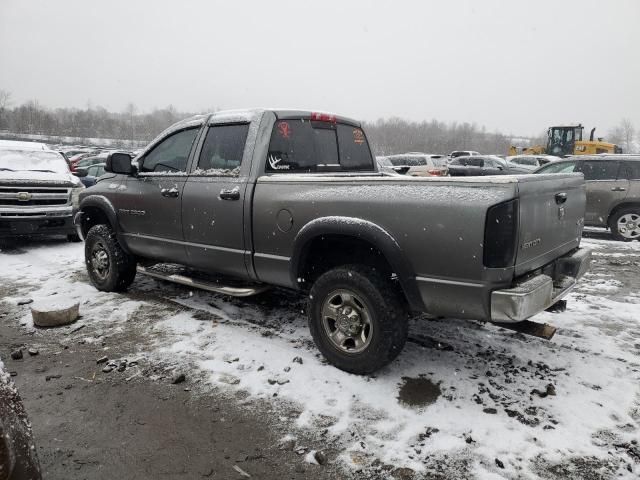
(135, 423)
(89, 425)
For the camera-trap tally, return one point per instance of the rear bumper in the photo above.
(36, 225)
(535, 294)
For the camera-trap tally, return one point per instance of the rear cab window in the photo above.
(305, 145)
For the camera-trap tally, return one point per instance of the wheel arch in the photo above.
(96, 210)
(622, 205)
(337, 232)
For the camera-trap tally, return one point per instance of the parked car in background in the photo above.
(38, 194)
(435, 166)
(462, 153)
(532, 161)
(613, 191)
(484, 165)
(93, 173)
(92, 160)
(385, 165)
(78, 151)
(76, 158)
(419, 164)
(13, 144)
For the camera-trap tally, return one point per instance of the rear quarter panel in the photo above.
(438, 225)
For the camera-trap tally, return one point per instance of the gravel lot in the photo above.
(464, 400)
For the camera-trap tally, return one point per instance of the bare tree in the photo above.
(627, 134)
(5, 100)
(131, 112)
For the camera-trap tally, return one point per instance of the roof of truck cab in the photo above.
(250, 114)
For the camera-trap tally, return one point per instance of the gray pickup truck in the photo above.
(238, 201)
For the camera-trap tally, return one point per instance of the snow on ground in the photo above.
(461, 395)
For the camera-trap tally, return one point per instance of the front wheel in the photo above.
(110, 268)
(625, 224)
(357, 318)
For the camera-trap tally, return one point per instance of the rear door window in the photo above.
(302, 145)
(632, 170)
(222, 150)
(599, 170)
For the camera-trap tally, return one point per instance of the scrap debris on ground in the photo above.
(464, 400)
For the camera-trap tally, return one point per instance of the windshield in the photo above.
(560, 167)
(34, 160)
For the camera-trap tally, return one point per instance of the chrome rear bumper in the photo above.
(539, 292)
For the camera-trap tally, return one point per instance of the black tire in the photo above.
(384, 306)
(74, 238)
(632, 212)
(101, 247)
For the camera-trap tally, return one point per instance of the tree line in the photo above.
(387, 136)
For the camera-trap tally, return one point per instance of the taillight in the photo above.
(323, 117)
(437, 173)
(500, 235)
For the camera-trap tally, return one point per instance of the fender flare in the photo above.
(362, 230)
(101, 203)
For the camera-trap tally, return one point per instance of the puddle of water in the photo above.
(418, 392)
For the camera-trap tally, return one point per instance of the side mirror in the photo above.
(119, 162)
(81, 172)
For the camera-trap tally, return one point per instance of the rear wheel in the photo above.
(357, 318)
(110, 268)
(625, 224)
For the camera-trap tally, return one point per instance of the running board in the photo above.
(216, 287)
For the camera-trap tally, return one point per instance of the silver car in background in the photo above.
(613, 191)
(532, 161)
(418, 164)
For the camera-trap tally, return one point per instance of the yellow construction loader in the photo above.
(567, 140)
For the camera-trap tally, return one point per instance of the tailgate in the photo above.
(551, 217)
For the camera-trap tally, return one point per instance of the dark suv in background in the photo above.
(613, 191)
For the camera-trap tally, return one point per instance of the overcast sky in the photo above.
(515, 66)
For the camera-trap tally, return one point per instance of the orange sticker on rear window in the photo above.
(358, 136)
(284, 129)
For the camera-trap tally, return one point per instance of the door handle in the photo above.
(618, 189)
(561, 198)
(169, 192)
(232, 194)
